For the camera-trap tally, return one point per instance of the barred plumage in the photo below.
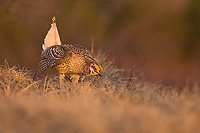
(71, 59)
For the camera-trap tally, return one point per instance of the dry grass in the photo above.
(112, 103)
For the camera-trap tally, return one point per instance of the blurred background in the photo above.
(160, 39)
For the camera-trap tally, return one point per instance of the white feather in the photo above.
(52, 37)
(44, 47)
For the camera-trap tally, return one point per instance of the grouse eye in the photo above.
(97, 68)
(94, 68)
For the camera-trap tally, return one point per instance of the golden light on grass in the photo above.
(99, 104)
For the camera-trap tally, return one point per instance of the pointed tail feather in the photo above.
(52, 37)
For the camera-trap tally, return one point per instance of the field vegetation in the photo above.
(160, 38)
(114, 103)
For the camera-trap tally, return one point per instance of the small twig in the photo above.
(130, 78)
(92, 46)
(45, 82)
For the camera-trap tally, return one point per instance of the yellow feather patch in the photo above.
(98, 67)
(101, 68)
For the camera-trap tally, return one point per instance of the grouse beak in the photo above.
(99, 74)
